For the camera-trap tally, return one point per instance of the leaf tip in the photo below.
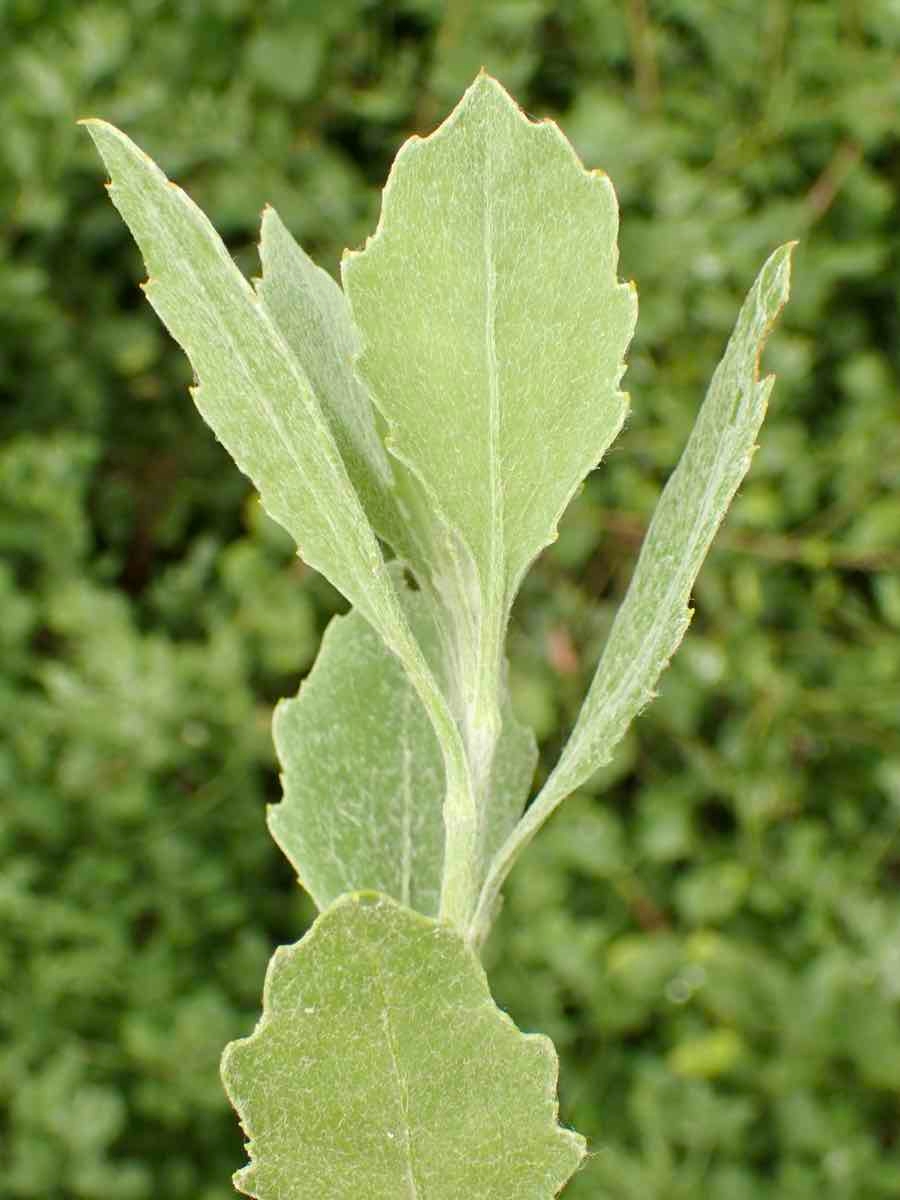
(772, 289)
(777, 271)
(269, 219)
(100, 132)
(488, 89)
(117, 149)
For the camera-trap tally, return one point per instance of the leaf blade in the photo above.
(652, 618)
(252, 393)
(345, 1090)
(456, 210)
(258, 400)
(362, 774)
(496, 398)
(313, 317)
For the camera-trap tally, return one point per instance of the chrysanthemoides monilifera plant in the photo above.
(419, 432)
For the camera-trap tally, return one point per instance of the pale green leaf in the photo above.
(313, 317)
(251, 389)
(655, 614)
(382, 1070)
(259, 401)
(511, 777)
(363, 778)
(493, 330)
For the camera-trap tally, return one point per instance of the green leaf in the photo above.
(252, 390)
(381, 1068)
(493, 331)
(511, 777)
(362, 772)
(655, 614)
(313, 317)
(260, 403)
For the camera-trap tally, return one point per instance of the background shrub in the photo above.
(711, 930)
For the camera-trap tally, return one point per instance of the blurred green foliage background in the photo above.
(711, 931)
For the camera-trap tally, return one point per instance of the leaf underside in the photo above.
(381, 1068)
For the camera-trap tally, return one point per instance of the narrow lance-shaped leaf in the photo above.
(259, 401)
(313, 317)
(381, 1068)
(493, 330)
(655, 614)
(251, 389)
(362, 773)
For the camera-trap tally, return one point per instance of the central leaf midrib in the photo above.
(495, 491)
(402, 1092)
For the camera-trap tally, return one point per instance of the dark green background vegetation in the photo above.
(710, 933)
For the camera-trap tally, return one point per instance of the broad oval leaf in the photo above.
(381, 1068)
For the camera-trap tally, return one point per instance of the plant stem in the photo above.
(553, 793)
(459, 889)
(463, 848)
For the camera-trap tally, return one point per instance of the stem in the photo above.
(473, 650)
(459, 889)
(464, 844)
(554, 791)
(459, 886)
